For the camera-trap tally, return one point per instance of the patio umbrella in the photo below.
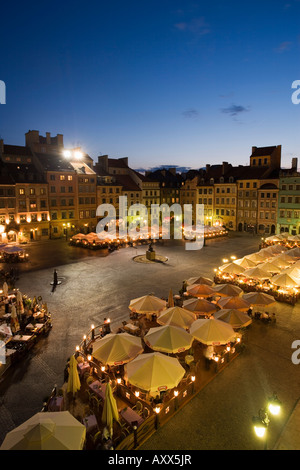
(5, 289)
(227, 290)
(200, 306)
(117, 348)
(171, 299)
(285, 280)
(257, 273)
(232, 268)
(233, 302)
(293, 271)
(270, 267)
(200, 290)
(200, 280)
(177, 316)
(281, 262)
(168, 339)
(295, 253)
(235, 318)
(57, 430)
(257, 258)
(19, 299)
(73, 380)
(154, 372)
(147, 304)
(14, 320)
(110, 409)
(212, 332)
(13, 249)
(259, 299)
(245, 262)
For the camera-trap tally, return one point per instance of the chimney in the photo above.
(48, 138)
(207, 166)
(1, 146)
(225, 167)
(172, 171)
(294, 162)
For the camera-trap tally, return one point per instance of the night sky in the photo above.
(162, 82)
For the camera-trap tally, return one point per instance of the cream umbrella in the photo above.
(14, 321)
(212, 332)
(270, 267)
(293, 271)
(237, 303)
(281, 262)
(147, 305)
(154, 372)
(5, 289)
(199, 290)
(257, 258)
(177, 316)
(200, 306)
(259, 299)
(257, 273)
(110, 410)
(73, 380)
(116, 349)
(232, 268)
(295, 253)
(285, 280)
(235, 318)
(200, 280)
(227, 290)
(57, 430)
(19, 300)
(168, 339)
(245, 262)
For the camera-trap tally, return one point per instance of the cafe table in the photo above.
(98, 388)
(131, 416)
(22, 338)
(56, 404)
(90, 423)
(131, 328)
(83, 367)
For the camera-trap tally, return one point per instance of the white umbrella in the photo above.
(257, 273)
(285, 280)
(5, 289)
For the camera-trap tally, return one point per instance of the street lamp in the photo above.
(262, 421)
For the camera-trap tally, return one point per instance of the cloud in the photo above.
(197, 26)
(190, 113)
(284, 46)
(234, 110)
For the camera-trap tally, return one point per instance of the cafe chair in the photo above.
(146, 413)
(138, 407)
(96, 403)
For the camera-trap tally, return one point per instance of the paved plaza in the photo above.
(94, 287)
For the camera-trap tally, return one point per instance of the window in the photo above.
(70, 177)
(63, 215)
(52, 189)
(54, 216)
(62, 177)
(43, 191)
(32, 205)
(62, 189)
(52, 177)
(21, 191)
(70, 189)
(71, 214)
(44, 232)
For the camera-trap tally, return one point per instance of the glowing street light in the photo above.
(262, 421)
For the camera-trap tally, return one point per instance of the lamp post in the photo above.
(262, 421)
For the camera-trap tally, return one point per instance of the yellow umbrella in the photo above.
(73, 380)
(154, 372)
(200, 280)
(200, 290)
(57, 430)
(200, 306)
(235, 318)
(168, 339)
(212, 332)
(110, 409)
(232, 268)
(227, 290)
(256, 273)
(285, 280)
(177, 316)
(147, 304)
(234, 302)
(116, 349)
(270, 267)
(245, 263)
(259, 298)
(171, 299)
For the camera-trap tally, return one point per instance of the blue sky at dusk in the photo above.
(166, 82)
